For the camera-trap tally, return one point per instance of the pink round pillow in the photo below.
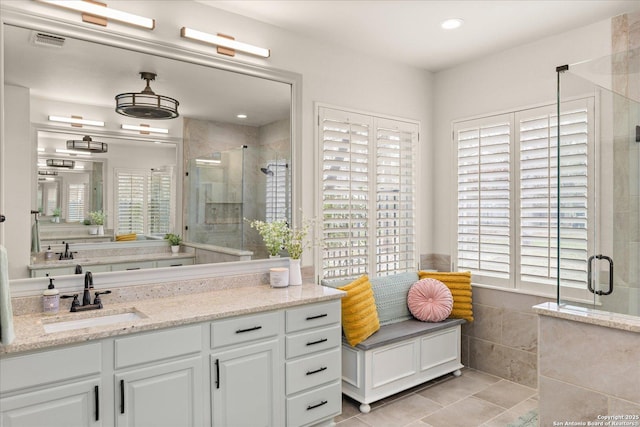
(430, 300)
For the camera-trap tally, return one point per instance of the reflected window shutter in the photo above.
(484, 197)
(538, 195)
(77, 194)
(159, 206)
(276, 193)
(131, 209)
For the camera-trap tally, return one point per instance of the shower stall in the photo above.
(598, 184)
(228, 189)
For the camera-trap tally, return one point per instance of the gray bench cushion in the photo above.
(401, 331)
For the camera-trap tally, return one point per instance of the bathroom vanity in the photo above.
(243, 355)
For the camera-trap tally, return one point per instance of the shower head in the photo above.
(267, 171)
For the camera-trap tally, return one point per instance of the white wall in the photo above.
(520, 77)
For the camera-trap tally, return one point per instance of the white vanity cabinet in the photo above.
(313, 364)
(246, 371)
(57, 388)
(159, 379)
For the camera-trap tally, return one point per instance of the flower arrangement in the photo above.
(56, 212)
(295, 241)
(97, 217)
(273, 234)
(174, 239)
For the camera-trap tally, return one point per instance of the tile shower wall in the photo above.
(503, 339)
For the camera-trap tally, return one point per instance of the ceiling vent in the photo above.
(47, 40)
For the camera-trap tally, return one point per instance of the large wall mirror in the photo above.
(226, 158)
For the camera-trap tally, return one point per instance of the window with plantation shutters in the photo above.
(76, 206)
(507, 196)
(145, 201)
(368, 194)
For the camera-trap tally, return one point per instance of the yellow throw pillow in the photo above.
(359, 313)
(125, 237)
(459, 283)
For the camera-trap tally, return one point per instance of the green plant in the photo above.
(174, 239)
(295, 241)
(57, 212)
(273, 234)
(97, 217)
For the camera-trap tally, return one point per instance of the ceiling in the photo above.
(409, 31)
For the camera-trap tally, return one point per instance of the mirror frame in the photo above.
(175, 51)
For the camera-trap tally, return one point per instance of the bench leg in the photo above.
(365, 408)
(457, 373)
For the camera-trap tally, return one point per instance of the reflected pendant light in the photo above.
(61, 163)
(146, 104)
(87, 144)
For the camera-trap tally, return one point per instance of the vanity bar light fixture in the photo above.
(145, 129)
(92, 11)
(76, 121)
(87, 144)
(223, 41)
(146, 104)
(61, 163)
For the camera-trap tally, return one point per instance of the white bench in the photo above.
(400, 356)
(404, 353)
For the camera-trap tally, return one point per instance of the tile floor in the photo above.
(474, 399)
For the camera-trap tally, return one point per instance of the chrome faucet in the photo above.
(86, 296)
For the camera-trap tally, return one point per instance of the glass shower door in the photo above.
(608, 267)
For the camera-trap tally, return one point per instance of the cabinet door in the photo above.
(246, 387)
(168, 394)
(70, 405)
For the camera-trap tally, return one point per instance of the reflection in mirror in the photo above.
(220, 112)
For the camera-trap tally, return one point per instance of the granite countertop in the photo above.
(110, 260)
(589, 315)
(166, 312)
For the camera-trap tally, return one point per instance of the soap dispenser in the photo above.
(48, 255)
(50, 299)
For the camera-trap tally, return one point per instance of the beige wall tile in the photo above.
(509, 363)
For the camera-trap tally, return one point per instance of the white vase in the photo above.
(295, 276)
(175, 249)
(93, 230)
(100, 230)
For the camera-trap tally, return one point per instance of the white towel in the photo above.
(6, 312)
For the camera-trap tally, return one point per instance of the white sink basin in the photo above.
(91, 322)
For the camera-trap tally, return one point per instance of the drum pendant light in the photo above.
(146, 104)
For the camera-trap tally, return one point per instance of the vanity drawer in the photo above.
(313, 316)
(18, 372)
(313, 341)
(314, 405)
(155, 346)
(312, 371)
(138, 265)
(174, 262)
(245, 328)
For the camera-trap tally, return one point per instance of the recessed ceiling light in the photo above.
(452, 24)
(241, 116)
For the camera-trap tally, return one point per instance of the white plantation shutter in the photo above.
(507, 215)
(368, 194)
(277, 196)
(538, 193)
(159, 206)
(130, 187)
(395, 197)
(145, 201)
(77, 194)
(484, 197)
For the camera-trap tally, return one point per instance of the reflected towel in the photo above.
(6, 312)
(35, 237)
